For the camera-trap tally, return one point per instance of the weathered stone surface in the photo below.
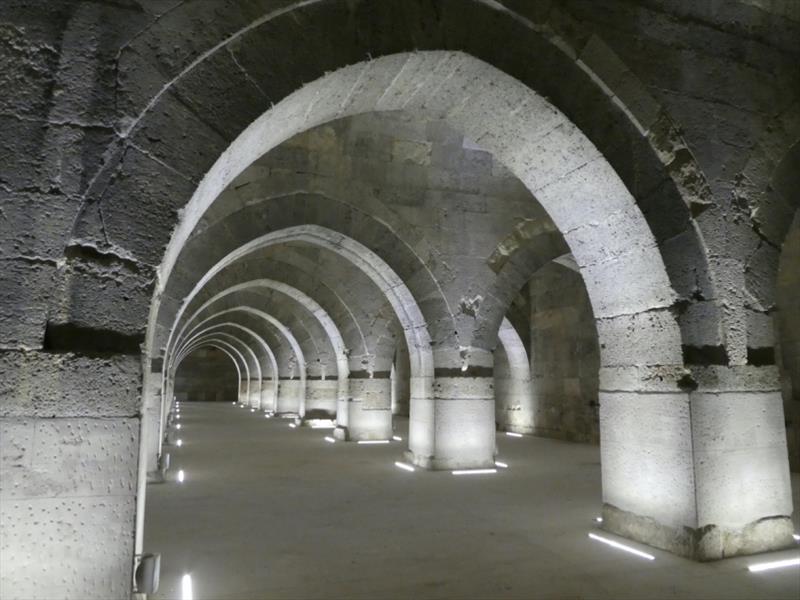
(43, 385)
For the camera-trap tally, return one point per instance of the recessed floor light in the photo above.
(623, 547)
(397, 438)
(373, 441)
(179, 443)
(181, 476)
(329, 439)
(502, 465)
(292, 425)
(474, 471)
(778, 564)
(186, 587)
(512, 434)
(404, 466)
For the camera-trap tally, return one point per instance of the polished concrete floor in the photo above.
(267, 511)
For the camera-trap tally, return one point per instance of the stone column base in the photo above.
(708, 543)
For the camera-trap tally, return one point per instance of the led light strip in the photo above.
(502, 465)
(181, 476)
(397, 438)
(329, 439)
(512, 434)
(778, 564)
(619, 546)
(373, 441)
(186, 587)
(404, 466)
(474, 471)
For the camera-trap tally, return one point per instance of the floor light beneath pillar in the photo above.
(397, 438)
(502, 465)
(181, 476)
(186, 587)
(404, 466)
(179, 443)
(619, 546)
(778, 564)
(373, 441)
(329, 439)
(474, 471)
(512, 434)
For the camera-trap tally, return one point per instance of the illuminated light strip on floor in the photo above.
(619, 546)
(181, 476)
(778, 564)
(267, 416)
(404, 466)
(186, 587)
(373, 441)
(252, 410)
(329, 439)
(179, 443)
(502, 465)
(177, 416)
(598, 519)
(796, 537)
(512, 434)
(474, 471)
(323, 426)
(292, 425)
(178, 426)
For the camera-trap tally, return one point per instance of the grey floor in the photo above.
(267, 511)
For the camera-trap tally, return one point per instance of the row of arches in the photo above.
(316, 221)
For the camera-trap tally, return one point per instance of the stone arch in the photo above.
(291, 392)
(213, 344)
(248, 357)
(512, 377)
(267, 364)
(313, 308)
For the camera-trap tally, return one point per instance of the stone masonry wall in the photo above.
(564, 357)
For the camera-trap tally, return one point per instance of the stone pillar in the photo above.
(369, 409)
(702, 473)
(254, 395)
(456, 428)
(321, 398)
(244, 392)
(291, 393)
(513, 394)
(401, 383)
(268, 395)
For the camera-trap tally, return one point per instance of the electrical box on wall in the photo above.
(147, 573)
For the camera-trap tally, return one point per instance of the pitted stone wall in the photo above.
(564, 357)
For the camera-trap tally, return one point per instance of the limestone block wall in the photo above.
(206, 375)
(68, 470)
(564, 357)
